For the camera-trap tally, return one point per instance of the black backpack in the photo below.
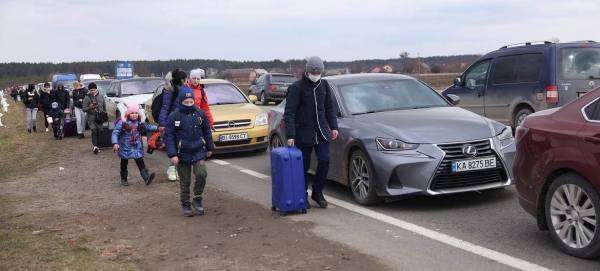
(157, 103)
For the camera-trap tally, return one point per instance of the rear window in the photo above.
(518, 69)
(283, 79)
(579, 63)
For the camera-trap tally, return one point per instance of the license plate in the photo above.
(233, 137)
(475, 164)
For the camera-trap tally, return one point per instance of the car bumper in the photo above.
(427, 170)
(277, 95)
(257, 139)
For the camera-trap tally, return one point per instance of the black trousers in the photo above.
(46, 112)
(139, 162)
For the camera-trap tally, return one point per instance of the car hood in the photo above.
(138, 99)
(428, 125)
(226, 112)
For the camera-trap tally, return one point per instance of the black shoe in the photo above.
(82, 135)
(319, 199)
(79, 136)
(147, 176)
(60, 138)
(187, 210)
(34, 130)
(29, 131)
(96, 150)
(197, 203)
(124, 178)
(307, 203)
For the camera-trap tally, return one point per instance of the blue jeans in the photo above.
(322, 154)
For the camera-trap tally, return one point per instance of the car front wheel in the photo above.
(520, 116)
(263, 98)
(572, 210)
(276, 142)
(362, 179)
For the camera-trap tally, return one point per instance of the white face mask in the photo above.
(314, 78)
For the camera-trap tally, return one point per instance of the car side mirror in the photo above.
(253, 83)
(458, 82)
(111, 94)
(453, 99)
(253, 98)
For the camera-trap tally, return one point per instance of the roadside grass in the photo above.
(23, 245)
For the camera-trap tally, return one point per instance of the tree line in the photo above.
(14, 73)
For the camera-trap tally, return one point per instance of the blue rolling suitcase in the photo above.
(287, 175)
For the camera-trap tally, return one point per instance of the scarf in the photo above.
(47, 89)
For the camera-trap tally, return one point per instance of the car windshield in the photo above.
(369, 97)
(139, 87)
(223, 94)
(580, 63)
(284, 79)
(102, 85)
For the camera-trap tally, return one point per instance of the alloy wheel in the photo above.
(521, 119)
(276, 142)
(573, 216)
(359, 177)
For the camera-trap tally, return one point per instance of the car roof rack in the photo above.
(582, 41)
(527, 43)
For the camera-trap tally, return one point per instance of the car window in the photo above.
(518, 69)
(590, 110)
(288, 79)
(476, 76)
(139, 87)
(579, 63)
(223, 94)
(389, 95)
(102, 86)
(261, 79)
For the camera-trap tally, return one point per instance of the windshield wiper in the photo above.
(226, 103)
(419, 107)
(594, 77)
(367, 112)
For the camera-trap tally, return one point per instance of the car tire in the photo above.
(520, 116)
(263, 98)
(363, 188)
(573, 216)
(276, 142)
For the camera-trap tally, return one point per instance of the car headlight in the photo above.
(261, 119)
(395, 145)
(505, 134)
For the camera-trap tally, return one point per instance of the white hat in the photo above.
(197, 73)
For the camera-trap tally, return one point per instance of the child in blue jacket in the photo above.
(56, 114)
(186, 130)
(127, 140)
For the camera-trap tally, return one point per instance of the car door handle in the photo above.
(594, 139)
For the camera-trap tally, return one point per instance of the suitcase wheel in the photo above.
(273, 208)
(283, 213)
(304, 211)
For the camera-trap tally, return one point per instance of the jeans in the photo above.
(31, 116)
(80, 115)
(95, 137)
(322, 154)
(185, 171)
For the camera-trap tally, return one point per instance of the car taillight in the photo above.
(269, 117)
(272, 87)
(552, 94)
(520, 133)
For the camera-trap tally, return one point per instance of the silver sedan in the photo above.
(398, 137)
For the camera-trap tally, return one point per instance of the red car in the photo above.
(557, 173)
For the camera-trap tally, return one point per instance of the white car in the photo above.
(126, 91)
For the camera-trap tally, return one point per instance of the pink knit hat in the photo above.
(132, 108)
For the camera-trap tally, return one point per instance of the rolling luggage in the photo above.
(104, 138)
(69, 128)
(287, 175)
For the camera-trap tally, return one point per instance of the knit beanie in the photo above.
(92, 86)
(30, 87)
(315, 65)
(185, 92)
(133, 108)
(197, 73)
(54, 104)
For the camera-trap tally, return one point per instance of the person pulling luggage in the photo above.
(310, 123)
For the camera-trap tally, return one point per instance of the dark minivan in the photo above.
(514, 81)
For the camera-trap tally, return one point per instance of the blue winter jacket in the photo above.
(187, 141)
(128, 148)
(55, 114)
(168, 106)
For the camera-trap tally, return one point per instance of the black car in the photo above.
(271, 87)
(514, 81)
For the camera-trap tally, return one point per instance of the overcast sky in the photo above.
(100, 30)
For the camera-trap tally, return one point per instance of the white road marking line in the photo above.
(455, 242)
(254, 173)
(220, 162)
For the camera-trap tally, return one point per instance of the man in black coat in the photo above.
(310, 122)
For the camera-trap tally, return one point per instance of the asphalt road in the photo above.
(470, 231)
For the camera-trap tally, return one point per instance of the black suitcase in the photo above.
(104, 138)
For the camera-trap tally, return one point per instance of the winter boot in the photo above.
(319, 199)
(187, 209)
(124, 178)
(34, 129)
(197, 203)
(147, 175)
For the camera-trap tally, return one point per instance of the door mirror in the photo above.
(458, 82)
(253, 98)
(453, 99)
(253, 83)
(111, 94)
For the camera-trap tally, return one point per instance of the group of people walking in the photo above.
(186, 124)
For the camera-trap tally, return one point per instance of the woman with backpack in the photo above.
(169, 103)
(31, 99)
(127, 140)
(46, 99)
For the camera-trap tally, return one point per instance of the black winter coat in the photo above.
(62, 98)
(79, 94)
(31, 103)
(309, 112)
(46, 99)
